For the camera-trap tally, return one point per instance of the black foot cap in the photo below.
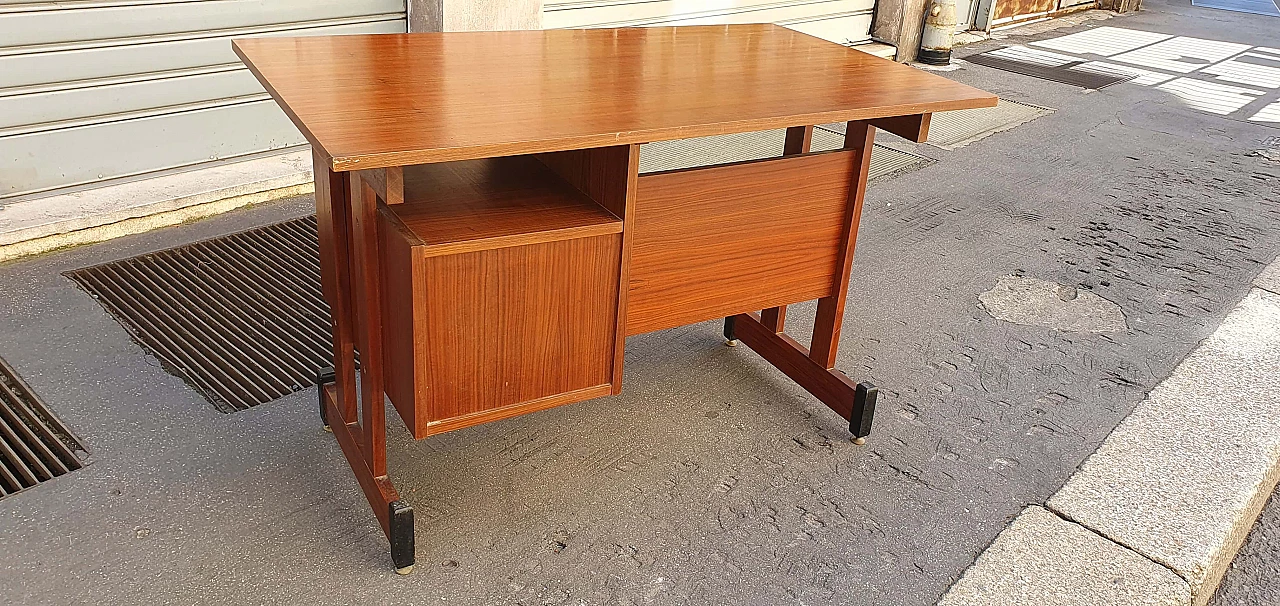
(324, 377)
(401, 536)
(729, 337)
(864, 410)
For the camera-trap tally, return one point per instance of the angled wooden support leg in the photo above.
(394, 515)
(831, 387)
(852, 401)
(814, 368)
(367, 291)
(346, 210)
(333, 223)
(859, 136)
(798, 141)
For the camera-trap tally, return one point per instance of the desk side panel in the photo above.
(401, 277)
(608, 176)
(717, 241)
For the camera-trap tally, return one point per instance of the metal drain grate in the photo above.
(34, 445)
(949, 130)
(241, 318)
(885, 160)
(740, 147)
(1049, 66)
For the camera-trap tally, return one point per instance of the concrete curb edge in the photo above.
(1170, 495)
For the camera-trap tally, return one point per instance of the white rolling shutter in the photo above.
(843, 21)
(95, 90)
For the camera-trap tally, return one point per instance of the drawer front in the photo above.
(716, 241)
(511, 330)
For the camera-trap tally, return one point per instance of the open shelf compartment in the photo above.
(457, 207)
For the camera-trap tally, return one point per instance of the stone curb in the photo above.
(1158, 512)
(1041, 559)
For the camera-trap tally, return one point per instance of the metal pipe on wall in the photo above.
(939, 31)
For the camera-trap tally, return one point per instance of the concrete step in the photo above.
(879, 49)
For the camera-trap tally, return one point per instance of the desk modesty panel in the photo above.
(487, 242)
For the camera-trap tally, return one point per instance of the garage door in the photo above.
(843, 21)
(95, 90)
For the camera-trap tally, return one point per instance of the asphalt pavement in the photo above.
(712, 479)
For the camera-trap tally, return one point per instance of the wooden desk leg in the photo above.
(798, 141)
(826, 328)
(814, 367)
(333, 222)
(346, 210)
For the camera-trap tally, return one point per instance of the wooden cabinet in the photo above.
(501, 287)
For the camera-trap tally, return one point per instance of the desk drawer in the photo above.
(478, 336)
(501, 287)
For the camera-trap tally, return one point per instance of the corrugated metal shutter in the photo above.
(93, 90)
(843, 21)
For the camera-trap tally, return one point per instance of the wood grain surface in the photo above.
(859, 139)
(798, 141)
(333, 226)
(484, 335)
(718, 241)
(371, 101)
(399, 308)
(608, 176)
(830, 386)
(457, 207)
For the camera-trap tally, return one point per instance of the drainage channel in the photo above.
(1047, 66)
(741, 147)
(35, 446)
(240, 318)
(955, 129)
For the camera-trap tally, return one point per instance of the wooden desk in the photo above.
(487, 243)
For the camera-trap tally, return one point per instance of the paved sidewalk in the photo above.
(711, 479)
(1158, 512)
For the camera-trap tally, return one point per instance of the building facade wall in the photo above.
(900, 22)
(474, 15)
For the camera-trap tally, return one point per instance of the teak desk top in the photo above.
(373, 101)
